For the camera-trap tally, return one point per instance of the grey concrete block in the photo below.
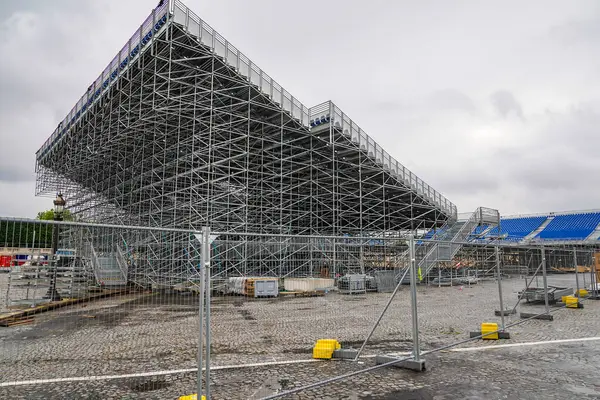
(501, 335)
(407, 364)
(345, 354)
(497, 313)
(545, 317)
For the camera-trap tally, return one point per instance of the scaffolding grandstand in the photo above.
(182, 130)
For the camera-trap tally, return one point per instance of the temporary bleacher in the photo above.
(581, 226)
(479, 233)
(515, 229)
(435, 233)
(480, 229)
(570, 227)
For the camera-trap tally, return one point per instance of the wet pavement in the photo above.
(146, 333)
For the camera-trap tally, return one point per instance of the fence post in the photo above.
(201, 314)
(545, 280)
(499, 274)
(584, 283)
(413, 298)
(206, 244)
(437, 262)
(576, 273)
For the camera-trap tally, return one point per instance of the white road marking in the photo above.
(545, 342)
(152, 373)
(264, 364)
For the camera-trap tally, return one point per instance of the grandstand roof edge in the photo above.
(114, 70)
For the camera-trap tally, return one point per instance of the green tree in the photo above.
(28, 234)
(25, 234)
(48, 215)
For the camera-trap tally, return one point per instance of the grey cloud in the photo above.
(578, 32)
(12, 175)
(469, 182)
(452, 99)
(505, 104)
(550, 174)
(558, 165)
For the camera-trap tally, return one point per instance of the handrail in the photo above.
(132, 50)
(176, 11)
(194, 25)
(94, 260)
(428, 260)
(121, 263)
(329, 112)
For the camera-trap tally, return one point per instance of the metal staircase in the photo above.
(108, 269)
(595, 235)
(108, 265)
(449, 242)
(456, 236)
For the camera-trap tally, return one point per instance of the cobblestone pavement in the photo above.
(153, 332)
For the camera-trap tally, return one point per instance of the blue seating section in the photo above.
(320, 120)
(562, 227)
(479, 229)
(438, 232)
(429, 235)
(104, 85)
(570, 227)
(475, 236)
(517, 228)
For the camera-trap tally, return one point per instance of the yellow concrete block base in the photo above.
(324, 348)
(191, 397)
(570, 301)
(489, 331)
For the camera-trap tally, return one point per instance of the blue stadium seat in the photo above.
(479, 229)
(476, 234)
(516, 229)
(570, 227)
(437, 232)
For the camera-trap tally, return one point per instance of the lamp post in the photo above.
(59, 208)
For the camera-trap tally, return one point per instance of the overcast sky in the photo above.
(494, 104)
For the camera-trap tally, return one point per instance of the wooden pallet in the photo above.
(314, 293)
(29, 312)
(16, 321)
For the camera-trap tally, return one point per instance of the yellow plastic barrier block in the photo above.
(581, 293)
(191, 397)
(330, 342)
(324, 348)
(570, 301)
(486, 330)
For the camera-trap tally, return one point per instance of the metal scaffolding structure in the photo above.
(182, 130)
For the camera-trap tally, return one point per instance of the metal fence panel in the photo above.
(89, 303)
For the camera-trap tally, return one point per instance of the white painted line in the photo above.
(503, 346)
(270, 363)
(541, 343)
(152, 373)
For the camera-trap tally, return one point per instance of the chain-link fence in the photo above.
(100, 311)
